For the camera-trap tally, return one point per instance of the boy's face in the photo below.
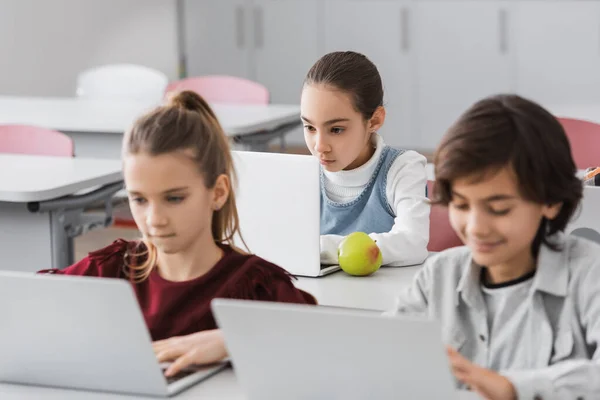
(495, 221)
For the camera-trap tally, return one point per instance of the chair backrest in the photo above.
(441, 234)
(123, 82)
(33, 140)
(584, 137)
(223, 89)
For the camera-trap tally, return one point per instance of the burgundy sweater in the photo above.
(181, 308)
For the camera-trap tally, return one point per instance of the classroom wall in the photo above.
(45, 43)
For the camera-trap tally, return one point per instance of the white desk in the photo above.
(39, 211)
(223, 386)
(375, 292)
(97, 126)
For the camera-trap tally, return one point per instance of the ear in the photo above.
(551, 211)
(220, 191)
(377, 119)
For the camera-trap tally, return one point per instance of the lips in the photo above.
(326, 162)
(485, 247)
(162, 236)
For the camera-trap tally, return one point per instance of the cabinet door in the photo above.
(286, 44)
(217, 39)
(464, 53)
(558, 51)
(381, 30)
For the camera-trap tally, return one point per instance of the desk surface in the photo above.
(374, 292)
(100, 116)
(223, 386)
(37, 178)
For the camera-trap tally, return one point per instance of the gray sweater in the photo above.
(554, 354)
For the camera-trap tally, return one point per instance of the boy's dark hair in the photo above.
(510, 130)
(353, 73)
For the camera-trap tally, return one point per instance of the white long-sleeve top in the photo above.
(406, 243)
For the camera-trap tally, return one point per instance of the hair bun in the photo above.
(187, 100)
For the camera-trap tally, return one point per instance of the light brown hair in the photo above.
(186, 122)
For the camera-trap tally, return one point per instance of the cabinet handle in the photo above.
(503, 31)
(259, 37)
(404, 29)
(239, 26)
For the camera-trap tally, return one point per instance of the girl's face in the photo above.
(169, 201)
(334, 131)
(495, 222)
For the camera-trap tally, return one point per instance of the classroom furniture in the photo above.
(223, 386)
(42, 199)
(26, 139)
(223, 89)
(584, 137)
(436, 57)
(97, 126)
(441, 234)
(122, 81)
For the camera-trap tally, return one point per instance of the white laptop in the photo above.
(586, 220)
(81, 333)
(298, 352)
(278, 199)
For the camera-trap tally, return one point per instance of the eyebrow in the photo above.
(168, 191)
(496, 197)
(330, 122)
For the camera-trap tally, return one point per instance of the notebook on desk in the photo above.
(81, 333)
(278, 200)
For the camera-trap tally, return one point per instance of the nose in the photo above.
(478, 224)
(321, 144)
(155, 217)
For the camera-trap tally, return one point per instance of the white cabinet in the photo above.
(286, 44)
(380, 29)
(463, 52)
(217, 37)
(436, 57)
(558, 51)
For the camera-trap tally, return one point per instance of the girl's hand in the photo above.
(487, 383)
(203, 347)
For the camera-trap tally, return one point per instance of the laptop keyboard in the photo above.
(178, 376)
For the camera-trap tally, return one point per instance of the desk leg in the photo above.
(25, 238)
(62, 245)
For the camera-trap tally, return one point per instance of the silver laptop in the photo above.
(586, 221)
(298, 352)
(278, 198)
(81, 333)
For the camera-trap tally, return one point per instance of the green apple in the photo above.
(359, 255)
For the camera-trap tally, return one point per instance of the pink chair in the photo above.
(441, 234)
(223, 89)
(584, 137)
(33, 140)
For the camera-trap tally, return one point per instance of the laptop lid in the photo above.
(78, 332)
(278, 200)
(288, 351)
